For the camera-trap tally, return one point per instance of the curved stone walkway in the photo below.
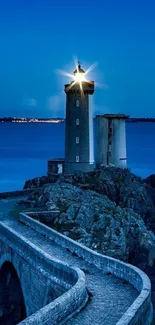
(109, 297)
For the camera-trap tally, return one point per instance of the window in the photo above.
(77, 139)
(110, 123)
(77, 158)
(77, 121)
(77, 103)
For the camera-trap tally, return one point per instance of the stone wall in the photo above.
(34, 296)
(140, 312)
(5, 195)
(38, 272)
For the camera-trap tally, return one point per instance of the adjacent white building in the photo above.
(111, 140)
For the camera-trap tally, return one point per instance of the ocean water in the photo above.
(25, 149)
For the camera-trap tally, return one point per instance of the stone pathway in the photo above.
(109, 296)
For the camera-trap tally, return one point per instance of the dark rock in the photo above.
(28, 203)
(40, 181)
(98, 222)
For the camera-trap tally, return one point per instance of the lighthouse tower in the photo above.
(79, 148)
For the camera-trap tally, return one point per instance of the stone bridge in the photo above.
(47, 278)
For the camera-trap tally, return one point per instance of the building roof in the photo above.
(79, 69)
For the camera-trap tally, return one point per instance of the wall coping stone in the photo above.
(17, 193)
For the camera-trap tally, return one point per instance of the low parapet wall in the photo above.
(4, 195)
(67, 304)
(140, 312)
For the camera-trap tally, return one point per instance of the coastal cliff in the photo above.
(122, 187)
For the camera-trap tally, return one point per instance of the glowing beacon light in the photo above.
(79, 74)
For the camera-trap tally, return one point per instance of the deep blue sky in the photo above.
(39, 36)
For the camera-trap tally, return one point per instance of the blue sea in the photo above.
(25, 149)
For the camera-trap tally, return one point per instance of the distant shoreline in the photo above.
(30, 120)
(60, 120)
(140, 119)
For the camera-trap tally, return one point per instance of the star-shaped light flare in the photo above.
(79, 76)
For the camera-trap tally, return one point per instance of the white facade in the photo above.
(101, 146)
(91, 136)
(118, 150)
(111, 140)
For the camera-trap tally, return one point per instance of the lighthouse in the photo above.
(79, 147)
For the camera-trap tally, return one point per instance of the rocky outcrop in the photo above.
(125, 189)
(96, 221)
(119, 185)
(150, 180)
(40, 181)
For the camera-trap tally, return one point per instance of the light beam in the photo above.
(80, 77)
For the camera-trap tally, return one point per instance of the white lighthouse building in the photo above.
(111, 140)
